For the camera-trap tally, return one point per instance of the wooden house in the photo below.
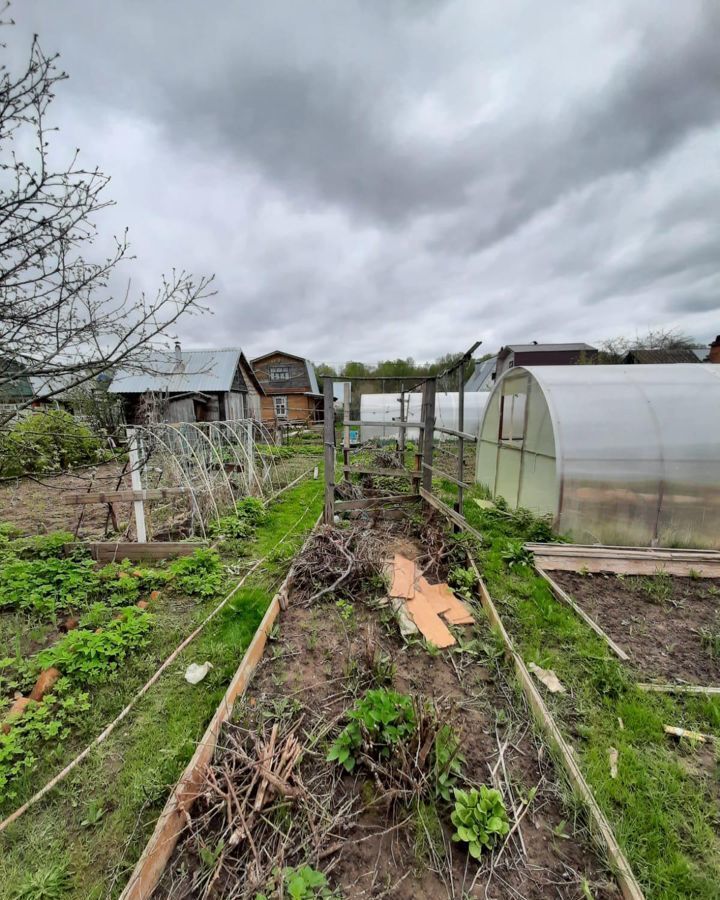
(291, 392)
(190, 386)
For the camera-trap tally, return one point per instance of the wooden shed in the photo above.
(190, 386)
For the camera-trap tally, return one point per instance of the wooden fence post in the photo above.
(346, 429)
(329, 441)
(136, 482)
(427, 419)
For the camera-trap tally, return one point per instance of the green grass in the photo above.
(662, 806)
(120, 789)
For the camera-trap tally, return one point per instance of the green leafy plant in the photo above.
(91, 657)
(47, 585)
(198, 575)
(515, 554)
(447, 762)
(50, 719)
(462, 581)
(209, 857)
(379, 721)
(52, 883)
(95, 812)
(480, 819)
(305, 883)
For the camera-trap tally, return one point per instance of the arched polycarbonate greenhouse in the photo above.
(626, 455)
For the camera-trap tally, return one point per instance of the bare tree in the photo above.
(58, 319)
(614, 349)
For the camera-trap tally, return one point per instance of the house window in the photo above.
(279, 373)
(280, 407)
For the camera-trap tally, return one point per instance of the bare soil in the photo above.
(665, 626)
(320, 661)
(36, 506)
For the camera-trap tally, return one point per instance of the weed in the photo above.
(515, 554)
(346, 611)
(299, 883)
(200, 574)
(710, 638)
(382, 719)
(657, 588)
(95, 812)
(462, 581)
(447, 762)
(52, 883)
(428, 843)
(480, 819)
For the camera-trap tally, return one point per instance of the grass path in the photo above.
(83, 841)
(664, 804)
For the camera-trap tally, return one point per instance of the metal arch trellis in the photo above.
(217, 463)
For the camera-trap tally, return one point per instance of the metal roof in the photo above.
(675, 355)
(546, 348)
(481, 378)
(314, 389)
(198, 370)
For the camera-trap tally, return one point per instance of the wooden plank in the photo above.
(629, 885)
(678, 688)
(391, 423)
(126, 496)
(451, 514)
(371, 502)
(104, 551)
(634, 566)
(615, 550)
(440, 474)
(369, 470)
(566, 598)
(463, 435)
(329, 443)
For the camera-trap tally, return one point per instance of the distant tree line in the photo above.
(395, 368)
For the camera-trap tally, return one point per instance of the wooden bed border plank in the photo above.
(678, 688)
(104, 551)
(564, 597)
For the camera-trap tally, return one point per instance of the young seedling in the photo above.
(480, 819)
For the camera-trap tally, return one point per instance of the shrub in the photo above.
(47, 442)
(480, 818)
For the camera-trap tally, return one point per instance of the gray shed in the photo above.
(190, 386)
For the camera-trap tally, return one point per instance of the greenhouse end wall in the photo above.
(637, 451)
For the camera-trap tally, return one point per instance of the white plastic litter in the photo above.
(195, 673)
(548, 678)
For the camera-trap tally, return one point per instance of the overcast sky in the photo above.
(383, 178)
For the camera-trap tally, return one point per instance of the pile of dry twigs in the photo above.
(257, 814)
(338, 559)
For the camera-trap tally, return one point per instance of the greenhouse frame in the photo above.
(625, 455)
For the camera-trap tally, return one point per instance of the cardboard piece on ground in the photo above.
(403, 577)
(445, 603)
(429, 622)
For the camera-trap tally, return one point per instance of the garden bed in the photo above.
(668, 625)
(383, 828)
(108, 805)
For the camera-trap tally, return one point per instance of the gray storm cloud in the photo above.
(373, 179)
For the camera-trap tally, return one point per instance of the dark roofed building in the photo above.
(543, 355)
(653, 357)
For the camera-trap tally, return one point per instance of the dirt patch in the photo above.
(668, 625)
(325, 657)
(35, 505)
